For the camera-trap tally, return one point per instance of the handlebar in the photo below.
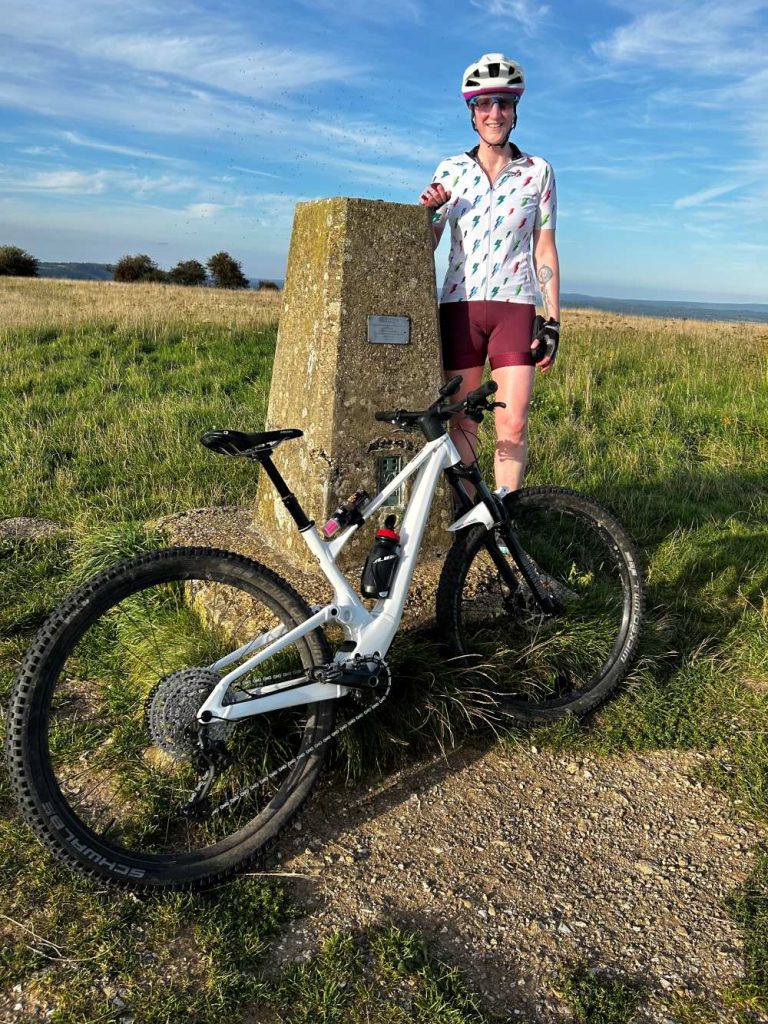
(480, 394)
(474, 404)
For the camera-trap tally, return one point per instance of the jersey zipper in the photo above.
(490, 240)
(490, 219)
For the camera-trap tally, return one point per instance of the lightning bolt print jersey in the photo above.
(522, 199)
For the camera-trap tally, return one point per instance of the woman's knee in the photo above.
(512, 425)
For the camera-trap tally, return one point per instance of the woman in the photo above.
(501, 206)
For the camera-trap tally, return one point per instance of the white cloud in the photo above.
(257, 71)
(706, 38)
(527, 15)
(393, 10)
(374, 138)
(606, 170)
(79, 140)
(203, 210)
(81, 182)
(41, 150)
(217, 53)
(56, 181)
(251, 170)
(698, 198)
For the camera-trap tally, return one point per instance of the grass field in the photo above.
(105, 389)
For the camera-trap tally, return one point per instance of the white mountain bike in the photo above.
(173, 714)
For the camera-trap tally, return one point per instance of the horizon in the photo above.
(180, 133)
(566, 296)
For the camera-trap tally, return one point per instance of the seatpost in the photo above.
(289, 499)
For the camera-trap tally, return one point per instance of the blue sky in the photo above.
(180, 129)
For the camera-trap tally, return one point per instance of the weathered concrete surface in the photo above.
(350, 258)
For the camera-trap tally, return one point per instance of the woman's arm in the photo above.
(547, 267)
(435, 197)
(437, 233)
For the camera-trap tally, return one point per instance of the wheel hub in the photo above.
(171, 712)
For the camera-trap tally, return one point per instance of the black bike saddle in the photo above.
(237, 442)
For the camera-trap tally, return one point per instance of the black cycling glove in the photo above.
(546, 335)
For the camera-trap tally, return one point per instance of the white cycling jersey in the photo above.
(492, 225)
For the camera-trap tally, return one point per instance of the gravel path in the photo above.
(515, 864)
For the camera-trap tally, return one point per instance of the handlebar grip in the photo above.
(451, 387)
(480, 394)
(387, 417)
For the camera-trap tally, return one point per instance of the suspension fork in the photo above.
(456, 476)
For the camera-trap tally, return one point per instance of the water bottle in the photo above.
(382, 560)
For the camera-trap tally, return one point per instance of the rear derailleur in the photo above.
(212, 758)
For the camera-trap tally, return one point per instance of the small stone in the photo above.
(24, 528)
(645, 867)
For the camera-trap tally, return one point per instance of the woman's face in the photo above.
(494, 116)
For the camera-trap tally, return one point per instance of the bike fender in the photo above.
(478, 514)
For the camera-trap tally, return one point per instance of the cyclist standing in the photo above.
(501, 206)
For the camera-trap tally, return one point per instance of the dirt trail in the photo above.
(514, 864)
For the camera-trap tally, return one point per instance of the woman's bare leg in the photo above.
(464, 430)
(515, 387)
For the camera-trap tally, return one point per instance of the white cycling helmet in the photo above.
(493, 73)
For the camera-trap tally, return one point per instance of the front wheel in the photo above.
(538, 666)
(103, 740)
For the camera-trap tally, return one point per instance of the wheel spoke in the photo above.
(542, 663)
(121, 748)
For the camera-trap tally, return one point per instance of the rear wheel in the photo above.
(540, 667)
(103, 738)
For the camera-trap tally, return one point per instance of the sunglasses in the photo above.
(486, 102)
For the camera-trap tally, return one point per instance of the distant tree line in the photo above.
(221, 270)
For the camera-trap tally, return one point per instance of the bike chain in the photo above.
(305, 754)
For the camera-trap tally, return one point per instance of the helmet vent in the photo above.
(493, 70)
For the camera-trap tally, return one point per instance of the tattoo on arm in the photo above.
(545, 275)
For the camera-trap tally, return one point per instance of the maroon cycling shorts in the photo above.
(472, 332)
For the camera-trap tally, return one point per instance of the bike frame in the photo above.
(372, 631)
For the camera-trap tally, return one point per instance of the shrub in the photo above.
(15, 262)
(226, 271)
(138, 268)
(188, 272)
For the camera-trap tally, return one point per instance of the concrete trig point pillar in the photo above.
(352, 262)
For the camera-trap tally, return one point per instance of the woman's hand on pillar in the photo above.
(434, 196)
